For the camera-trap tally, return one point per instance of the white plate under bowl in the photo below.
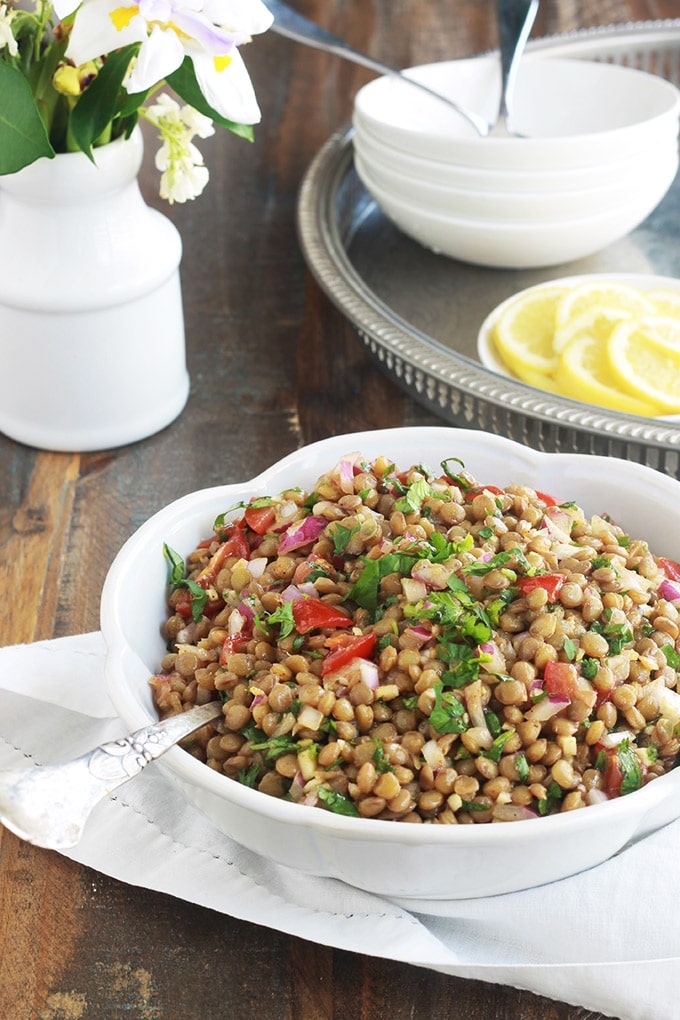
(389, 858)
(486, 349)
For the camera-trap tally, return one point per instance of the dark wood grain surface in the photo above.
(273, 366)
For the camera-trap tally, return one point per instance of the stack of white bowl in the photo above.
(595, 150)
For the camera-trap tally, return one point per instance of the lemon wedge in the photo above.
(584, 373)
(644, 359)
(524, 332)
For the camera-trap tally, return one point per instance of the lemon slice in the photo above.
(595, 322)
(525, 328)
(602, 294)
(643, 362)
(584, 373)
(666, 302)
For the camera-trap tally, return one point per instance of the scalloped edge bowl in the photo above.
(388, 858)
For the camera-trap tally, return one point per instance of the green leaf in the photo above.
(337, 802)
(23, 137)
(177, 567)
(183, 81)
(100, 102)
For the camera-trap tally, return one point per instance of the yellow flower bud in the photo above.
(65, 80)
(72, 81)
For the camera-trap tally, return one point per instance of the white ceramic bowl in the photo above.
(516, 245)
(521, 206)
(388, 858)
(574, 113)
(498, 181)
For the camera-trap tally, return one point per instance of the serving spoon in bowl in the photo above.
(49, 805)
(515, 20)
(288, 23)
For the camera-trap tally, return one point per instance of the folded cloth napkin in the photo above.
(606, 940)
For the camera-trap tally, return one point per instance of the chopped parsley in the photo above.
(336, 802)
(177, 579)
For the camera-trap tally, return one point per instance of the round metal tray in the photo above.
(419, 313)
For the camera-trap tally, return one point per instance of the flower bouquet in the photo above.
(77, 75)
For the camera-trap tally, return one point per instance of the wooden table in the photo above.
(273, 366)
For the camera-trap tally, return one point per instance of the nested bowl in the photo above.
(651, 181)
(519, 244)
(384, 857)
(574, 113)
(500, 181)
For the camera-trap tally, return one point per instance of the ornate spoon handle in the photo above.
(49, 805)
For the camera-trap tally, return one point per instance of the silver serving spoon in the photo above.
(49, 805)
(289, 23)
(515, 21)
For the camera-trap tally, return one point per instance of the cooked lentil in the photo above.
(415, 646)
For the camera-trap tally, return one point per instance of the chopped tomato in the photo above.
(613, 775)
(235, 545)
(311, 614)
(561, 680)
(260, 518)
(550, 582)
(183, 604)
(670, 568)
(546, 498)
(479, 489)
(354, 648)
(232, 643)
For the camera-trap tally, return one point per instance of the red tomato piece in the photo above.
(613, 775)
(670, 568)
(313, 614)
(355, 648)
(471, 493)
(546, 498)
(235, 545)
(561, 680)
(260, 518)
(183, 604)
(551, 582)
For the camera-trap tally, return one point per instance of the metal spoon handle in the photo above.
(49, 805)
(515, 21)
(292, 25)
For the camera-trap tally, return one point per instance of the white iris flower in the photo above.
(207, 31)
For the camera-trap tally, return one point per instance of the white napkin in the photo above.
(606, 940)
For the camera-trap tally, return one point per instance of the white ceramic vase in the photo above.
(92, 351)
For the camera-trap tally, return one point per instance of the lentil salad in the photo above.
(417, 646)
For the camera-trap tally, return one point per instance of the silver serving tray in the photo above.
(419, 313)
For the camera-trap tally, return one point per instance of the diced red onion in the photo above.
(594, 796)
(558, 523)
(611, 740)
(259, 699)
(433, 754)
(433, 575)
(669, 590)
(236, 622)
(297, 788)
(369, 673)
(309, 718)
(256, 566)
(421, 635)
(546, 709)
(246, 611)
(301, 533)
(291, 593)
(512, 813)
(344, 472)
(414, 591)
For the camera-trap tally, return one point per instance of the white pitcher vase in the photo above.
(92, 351)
